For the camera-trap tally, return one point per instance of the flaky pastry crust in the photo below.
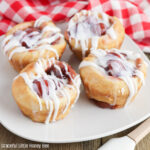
(28, 102)
(104, 41)
(107, 90)
(21, 59)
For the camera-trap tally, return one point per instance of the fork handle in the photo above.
(141, 131)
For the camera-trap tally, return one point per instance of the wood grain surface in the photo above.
(7, 137)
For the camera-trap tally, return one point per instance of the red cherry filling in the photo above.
(116, 68)
(115, 54)
(105, 105)
(27, 35)
(32, 29)
(31, 33)
(103, 28)
(95, 27)
(37, 87)
(37, 84)
(125, 55)
(56, 41)
(62, 73)
(25, 44)
(91, 24)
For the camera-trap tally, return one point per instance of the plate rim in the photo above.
(83, 139)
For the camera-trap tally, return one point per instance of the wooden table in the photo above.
(9, 138)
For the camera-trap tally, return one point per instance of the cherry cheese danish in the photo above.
(29, 41)
(46, 90)
(112, 77)
(89, 30)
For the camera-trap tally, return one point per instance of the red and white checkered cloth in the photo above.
(134, 14)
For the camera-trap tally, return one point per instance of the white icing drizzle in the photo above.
(105, 18)
(4, 41)
(86, 25)
(50, 28)
(92, 64)
(31, 42)
(140, 75)
(65, 92)
(111, 33)
(122, 66)
(41, 20)
(51, 39)
(28, 82)
(76, 82)
(56, 86)
(94, 42)
(48, 47)
(50, 112)
(11, 44)
(34, 39)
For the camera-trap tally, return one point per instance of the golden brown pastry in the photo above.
(112, 77)
(46, 90)
(29, 41)
(89, 30)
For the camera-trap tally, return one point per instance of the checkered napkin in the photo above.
(134, 14)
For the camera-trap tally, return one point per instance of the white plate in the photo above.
(86, 121)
